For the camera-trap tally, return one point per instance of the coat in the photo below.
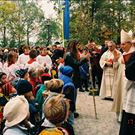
(129, 99)
(15, 130)
(70, 60)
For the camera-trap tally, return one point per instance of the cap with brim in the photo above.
(66, 70)
(16, 110)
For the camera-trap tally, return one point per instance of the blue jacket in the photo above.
(84, 71)
(69, 89)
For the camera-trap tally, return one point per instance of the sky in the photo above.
(47, 7)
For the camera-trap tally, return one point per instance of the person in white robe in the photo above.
(109, 72)
(32, 63)
(10, 67)
(127, 126)
(44, 59)
(24, 57)
(119, 87)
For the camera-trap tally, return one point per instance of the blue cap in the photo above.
(66, 70)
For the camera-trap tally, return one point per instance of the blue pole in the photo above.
(66, 20)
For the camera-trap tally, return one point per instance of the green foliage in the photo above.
(21, 20)
(54, 30)
(99, 20)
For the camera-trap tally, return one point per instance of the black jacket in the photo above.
(130, 68)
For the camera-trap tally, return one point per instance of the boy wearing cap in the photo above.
(25, 88)
(16, 113)
(69, 89)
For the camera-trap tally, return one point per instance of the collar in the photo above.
(43, 54)
(31, 61)
(47, 123)
(9, 64)
(131, 50)
(26, 53)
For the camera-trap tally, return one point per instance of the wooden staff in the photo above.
(93, 90)
(94, 101)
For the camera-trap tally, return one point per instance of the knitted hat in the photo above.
(54, 85)
(16, 110)
(56, 109)
(23, 87)
(66, 70)
(21, 73)
(125, 37)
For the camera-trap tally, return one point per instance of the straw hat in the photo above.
(125, 37)
(16, 110)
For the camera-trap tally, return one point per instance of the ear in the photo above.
(45, 95)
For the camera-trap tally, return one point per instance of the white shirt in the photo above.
(33, 65)
(10, 70)
(45, 60)
(22, 60)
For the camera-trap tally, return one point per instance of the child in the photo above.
(39, 93)
(56, 110)
(25, 88)
(69, 89)
(16, 113)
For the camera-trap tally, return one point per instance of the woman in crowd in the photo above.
(72, 58)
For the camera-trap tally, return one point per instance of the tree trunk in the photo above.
(4, 36)
(19, 39)
(27, 33)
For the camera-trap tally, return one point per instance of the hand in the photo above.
(88, 56)
(44, 64)
(109, 64)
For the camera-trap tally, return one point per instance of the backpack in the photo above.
(54, 131)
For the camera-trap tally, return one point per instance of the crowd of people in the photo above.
(39, 85)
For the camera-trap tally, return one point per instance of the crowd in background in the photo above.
(39, 85)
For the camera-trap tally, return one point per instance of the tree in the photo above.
(7, 9)
(53, 33)
(99, 20)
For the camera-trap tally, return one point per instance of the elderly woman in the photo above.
(128, 118)
(16, 117)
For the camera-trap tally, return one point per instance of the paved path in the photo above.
(86, 124)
